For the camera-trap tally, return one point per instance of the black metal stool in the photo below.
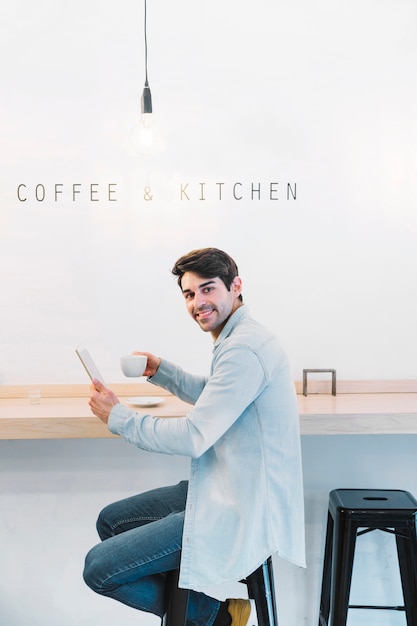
(392, 511)
(260, 586)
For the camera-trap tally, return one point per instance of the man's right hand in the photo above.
(152, 364)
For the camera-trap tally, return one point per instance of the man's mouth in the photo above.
(203, 313)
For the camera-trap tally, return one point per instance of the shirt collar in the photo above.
(236, 317)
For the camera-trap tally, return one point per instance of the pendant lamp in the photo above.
(146, 136)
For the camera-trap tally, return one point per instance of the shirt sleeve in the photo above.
(184, 385)
(238, 378)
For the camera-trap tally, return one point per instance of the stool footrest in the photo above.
(260, 588)
(384, 608)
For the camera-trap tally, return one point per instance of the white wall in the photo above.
(319, 95)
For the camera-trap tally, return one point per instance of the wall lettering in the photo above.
(252, 191)
(56, 192)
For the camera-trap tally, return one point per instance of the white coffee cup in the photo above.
(133, 365)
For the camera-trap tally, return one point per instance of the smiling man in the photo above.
(243, 501)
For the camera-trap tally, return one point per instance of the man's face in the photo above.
(209, 302)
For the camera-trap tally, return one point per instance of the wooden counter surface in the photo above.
(63, 411)
(358, 414)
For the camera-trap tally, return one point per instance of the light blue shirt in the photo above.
(245, 497)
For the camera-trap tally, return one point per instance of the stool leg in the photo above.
(261, 589)
(327, 572)
(407, 559)
(176, 601)
(344, 540)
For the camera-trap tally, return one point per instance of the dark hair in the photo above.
(207, 263)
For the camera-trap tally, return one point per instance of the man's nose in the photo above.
(199, 300)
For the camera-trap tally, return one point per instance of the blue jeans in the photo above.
(141, 541)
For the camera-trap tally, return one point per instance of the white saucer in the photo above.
(145, 400)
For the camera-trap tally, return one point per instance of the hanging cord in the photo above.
(146, 103)
(146, 44)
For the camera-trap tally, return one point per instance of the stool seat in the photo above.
(260, 586)
(388, 510)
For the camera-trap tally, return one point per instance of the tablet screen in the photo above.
(89, 365)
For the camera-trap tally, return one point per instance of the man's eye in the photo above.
(188, 296)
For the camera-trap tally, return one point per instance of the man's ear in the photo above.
(237, 285)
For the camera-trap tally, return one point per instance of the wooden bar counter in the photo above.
(360, 407)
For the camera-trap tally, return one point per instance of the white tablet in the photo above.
(89, 365)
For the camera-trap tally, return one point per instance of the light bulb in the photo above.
(146, 136)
